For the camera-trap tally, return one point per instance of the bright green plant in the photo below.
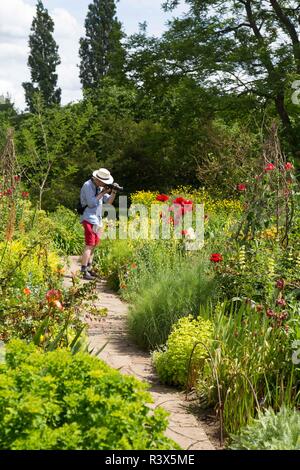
(60, 401)
(251, 361)
(67, 231)
(181, 360)
(270, 431)
(175, 291)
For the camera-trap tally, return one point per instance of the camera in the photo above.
(115, 187)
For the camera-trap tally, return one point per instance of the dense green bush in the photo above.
(270, 431)
(180, 362)
(57, 400)
(67, 231)
(173, 292)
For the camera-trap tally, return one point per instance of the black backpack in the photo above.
(80, 208)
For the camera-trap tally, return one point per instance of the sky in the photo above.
(68, 15)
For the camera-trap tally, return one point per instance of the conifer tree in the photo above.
(43, 60)
(101, 51)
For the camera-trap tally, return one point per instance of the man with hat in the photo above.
(94, 193)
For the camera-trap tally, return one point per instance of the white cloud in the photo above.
(15, 22)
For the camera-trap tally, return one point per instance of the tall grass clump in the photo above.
(172, 292)
(251, 357)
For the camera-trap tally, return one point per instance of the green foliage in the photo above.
(101, 51)
(43, 60)
(171, 293)
(270, 431)
(181, 360)
(59, 401)
(251, 357)
(67, 231)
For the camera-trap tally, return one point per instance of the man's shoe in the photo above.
(92, 273)
(87, 276)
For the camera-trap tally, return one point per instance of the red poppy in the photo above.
(216, 258)
(241, 187)
(270, 167)
(289, 166)
(162, 198)
(53, 295)
(25, 194)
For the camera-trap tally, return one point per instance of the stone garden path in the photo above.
(121, 354)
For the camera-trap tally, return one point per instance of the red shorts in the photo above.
(91, 238)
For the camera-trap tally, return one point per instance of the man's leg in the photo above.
(86, 256)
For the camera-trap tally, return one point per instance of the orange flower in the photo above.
(27, 291)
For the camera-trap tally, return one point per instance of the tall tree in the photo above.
(101, 51)
(43, 60)
(243, 47)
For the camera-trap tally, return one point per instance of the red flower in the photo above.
(241, 187)
(162, 198)
(270, 313)
(17, 178)
(216, 258)
(8, 192)
(53, 295)
(27, 291)
(171, 220)
(182, 202)
(280, 284)
(289, 166)
(281, 302)
(184, 232)
(25, 194)
(270, 167)
(179, 200)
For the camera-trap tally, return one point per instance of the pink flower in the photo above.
(289, 166)
(270, 167)
(281, 302)
(241, 187)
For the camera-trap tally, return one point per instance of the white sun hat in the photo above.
(103, 175)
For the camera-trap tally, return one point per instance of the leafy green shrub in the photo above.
(174, 292)
(270, 431)
(180, 361)
(60, 401)
(67, 231)
(112, 258)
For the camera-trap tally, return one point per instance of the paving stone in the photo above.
(120, 354)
